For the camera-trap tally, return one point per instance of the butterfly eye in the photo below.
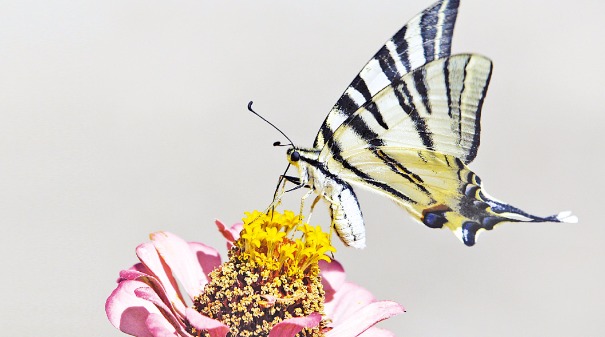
(295, 156)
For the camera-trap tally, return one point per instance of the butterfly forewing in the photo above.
(424, 38)
(435, 107)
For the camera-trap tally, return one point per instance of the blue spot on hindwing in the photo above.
(434, 219)
(469, 232)
(489, 222)
(471, 190)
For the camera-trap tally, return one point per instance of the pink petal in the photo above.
(332, 277)
(365, 318)
(207, 257)
(292, 326)
(377, 332)
(157, 287)
(138, 268)
(168, 315)
(231, 234)
(201, 322)
(270, 300)
(127, 312)
(347, 300)
(130, 274)
(148, 254)
(158, 327)
(183, 263)
(227, 234)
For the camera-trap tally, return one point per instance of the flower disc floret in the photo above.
(272, 275)
(279, 242)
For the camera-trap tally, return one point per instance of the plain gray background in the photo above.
(119, 118)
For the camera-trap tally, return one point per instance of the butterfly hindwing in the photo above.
(424, 38)
(438, 190)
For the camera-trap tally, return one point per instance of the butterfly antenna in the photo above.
(275, 127)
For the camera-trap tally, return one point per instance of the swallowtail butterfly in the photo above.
(406, 127)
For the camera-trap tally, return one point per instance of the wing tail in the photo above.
(515, 213)
(476, 212)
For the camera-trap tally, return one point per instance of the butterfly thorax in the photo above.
(346, 215)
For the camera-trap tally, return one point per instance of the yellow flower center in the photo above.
(272, 275)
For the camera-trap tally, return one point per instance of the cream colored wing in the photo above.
(426, 37)
(435, 107)
(437, 189)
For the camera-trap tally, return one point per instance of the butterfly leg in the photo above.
(277, 195)
(302, 202)
(315, 201)
(294, 180)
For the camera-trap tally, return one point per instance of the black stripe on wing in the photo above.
(404, 98)
(425, 38)
(337, 156)
(401, 170)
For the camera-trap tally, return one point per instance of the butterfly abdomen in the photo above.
(346, 215)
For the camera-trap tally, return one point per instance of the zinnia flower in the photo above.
(278, 281)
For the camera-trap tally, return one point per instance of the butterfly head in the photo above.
(302, 160)
(296, 155)
(305, 161)
(293, 155)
